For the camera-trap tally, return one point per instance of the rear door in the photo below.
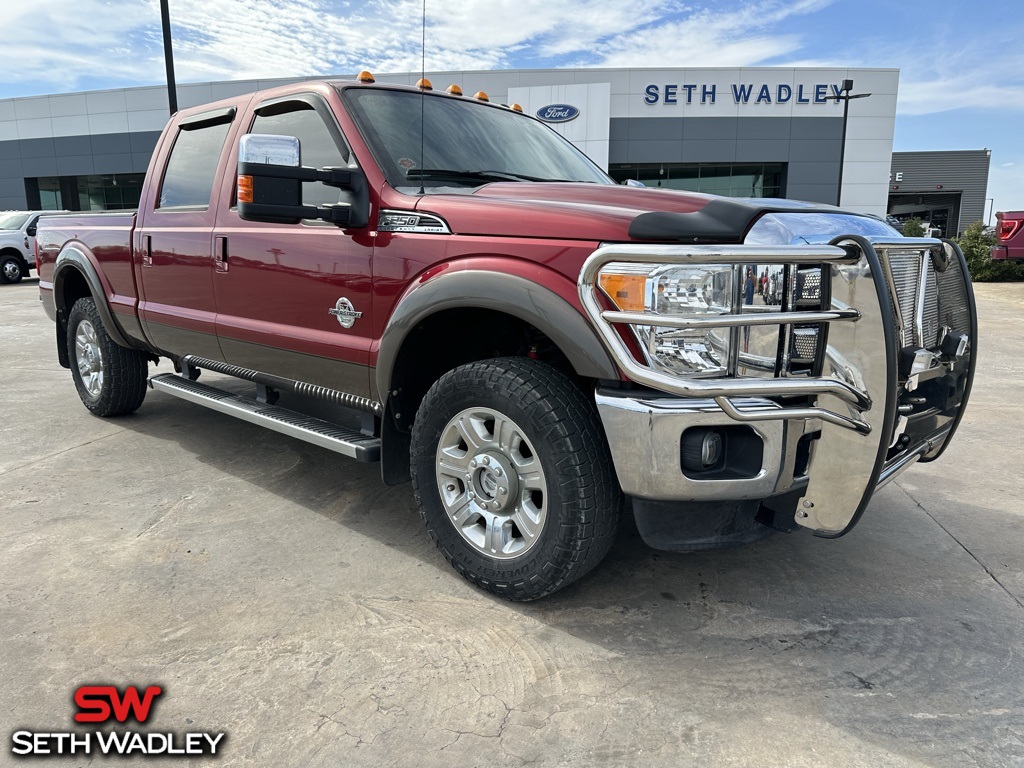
(276, 284)
(173, 242)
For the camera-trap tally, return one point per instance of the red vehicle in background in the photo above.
(1010, 231)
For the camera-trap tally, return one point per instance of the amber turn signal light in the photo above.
(625, 290)
(244, 189)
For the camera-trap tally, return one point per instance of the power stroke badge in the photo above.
(345, 312)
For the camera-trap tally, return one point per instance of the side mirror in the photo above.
(31, 231)
(270, 180)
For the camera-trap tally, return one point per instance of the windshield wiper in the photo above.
(448, 173)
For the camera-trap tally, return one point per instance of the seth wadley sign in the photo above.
(742, 93)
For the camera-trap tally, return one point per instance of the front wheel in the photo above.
(110, 379)
(513, 477)
(11, 269)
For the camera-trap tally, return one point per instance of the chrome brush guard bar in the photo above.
(856, 391)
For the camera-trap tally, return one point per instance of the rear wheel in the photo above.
(513, 477)
(110, 379)
(11, 269)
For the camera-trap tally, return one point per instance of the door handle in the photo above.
(220, 253)
(147, 250)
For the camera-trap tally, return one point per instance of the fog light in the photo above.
(721, 452)
(702, 449)
(711, 449)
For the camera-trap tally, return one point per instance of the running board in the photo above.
(349, 442)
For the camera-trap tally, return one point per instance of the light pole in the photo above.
(844, 95)
(172, 91)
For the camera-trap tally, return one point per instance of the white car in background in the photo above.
(17, 243)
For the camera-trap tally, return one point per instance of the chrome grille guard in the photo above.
(855, 394)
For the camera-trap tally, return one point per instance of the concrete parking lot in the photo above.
(281, 594)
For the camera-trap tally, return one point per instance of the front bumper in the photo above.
(891, 387)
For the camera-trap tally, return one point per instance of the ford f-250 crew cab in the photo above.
(522, 338)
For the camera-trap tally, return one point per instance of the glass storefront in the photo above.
(731, 180)
(108, 192)
(100, 192)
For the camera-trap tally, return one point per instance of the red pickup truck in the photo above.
(1010, 233)
(478, 307)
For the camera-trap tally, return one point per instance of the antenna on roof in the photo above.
(423, 77)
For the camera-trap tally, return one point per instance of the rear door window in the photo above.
(192, 165)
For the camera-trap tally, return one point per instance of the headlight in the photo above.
(697, 292)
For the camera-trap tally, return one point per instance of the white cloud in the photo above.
(742, 36)
(62, 44)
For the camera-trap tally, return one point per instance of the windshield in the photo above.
(13, 220)
(466, 144)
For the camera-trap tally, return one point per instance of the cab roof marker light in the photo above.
(365, 77)
(515, 107)
(424, 85)
(480, 96)
(454, 90)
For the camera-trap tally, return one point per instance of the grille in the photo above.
(906, 273)
(906, 276)
(930, 317)
(953, 303)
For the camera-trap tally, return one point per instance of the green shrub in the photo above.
(977, 247)
(913, 227)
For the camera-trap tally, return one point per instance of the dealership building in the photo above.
(746, 132)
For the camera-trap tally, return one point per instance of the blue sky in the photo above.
(961, 64)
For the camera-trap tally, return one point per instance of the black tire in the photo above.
(560, 439)
(11, 269)
(121, 385)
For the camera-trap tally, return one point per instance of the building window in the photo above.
(108, 192)
(731, 180)
(49, 194)
(100, 192)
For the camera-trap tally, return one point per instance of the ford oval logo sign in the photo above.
(558, 113)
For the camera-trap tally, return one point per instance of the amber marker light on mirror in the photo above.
(245, 189)
(365, 77)
(625, 290)
(454, 90)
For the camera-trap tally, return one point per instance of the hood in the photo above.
(602, 213)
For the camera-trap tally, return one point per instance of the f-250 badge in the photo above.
(345, 312)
